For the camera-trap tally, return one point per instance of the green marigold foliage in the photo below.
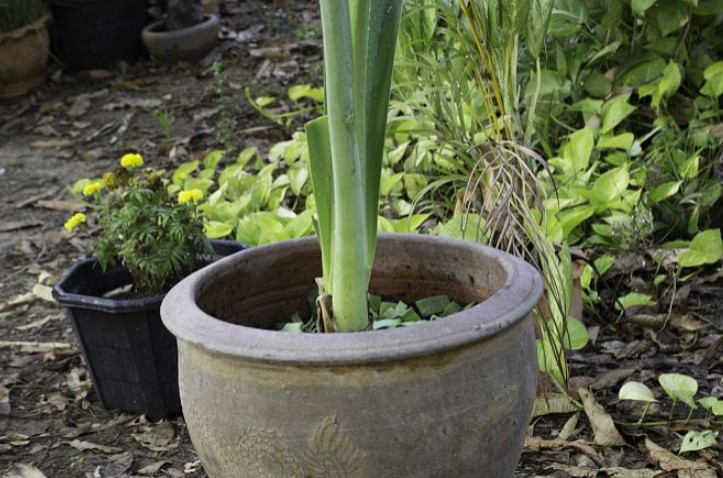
(157, 236)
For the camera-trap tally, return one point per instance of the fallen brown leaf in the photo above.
(536, 444)
(611, 378)
(52, 144)
(25, 471)
(59, 205)
(7, 226)
(80, 106)
(153, 468)
(157, 437)
(5, 408)
(86, 445)
(671, 462)
(602, 424)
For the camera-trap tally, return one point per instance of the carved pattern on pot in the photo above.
(330, 453)
(266, 456)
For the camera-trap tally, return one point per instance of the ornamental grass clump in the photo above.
(157, 236)
(17, 13)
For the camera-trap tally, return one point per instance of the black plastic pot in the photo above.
(131, 356)
(96, 33)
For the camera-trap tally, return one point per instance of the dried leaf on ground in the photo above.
(554, 403)
(60, 205)
(611, 378)
(671, 462)
(25, 471)
(602, 424)
(5, 408)
(79, 383)
(618, 472)
(86, 445)
(159, 437)
(80, 106)
(536, 444)
(7, 226)
(153, 468)
(52, 144)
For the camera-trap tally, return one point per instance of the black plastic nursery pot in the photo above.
(95, 33)
(132, 358)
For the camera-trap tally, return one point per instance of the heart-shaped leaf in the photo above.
(636, 391)
(679, 387)
(693, 441)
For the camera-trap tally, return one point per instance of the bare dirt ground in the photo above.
(80, 123)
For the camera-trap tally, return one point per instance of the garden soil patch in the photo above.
(80, 123)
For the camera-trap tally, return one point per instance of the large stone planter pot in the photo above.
(23, 55)
(451, 398)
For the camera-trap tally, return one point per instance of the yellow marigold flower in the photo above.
(193, 195)
(92, 188)
(132, 161)
(74, 221)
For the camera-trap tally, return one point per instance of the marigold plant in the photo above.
(156, 235)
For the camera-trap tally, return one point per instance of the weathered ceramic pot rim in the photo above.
(509, 305)
(22, 31)
(158, 28)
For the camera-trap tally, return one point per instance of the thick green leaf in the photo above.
(320, 164)
(579, 148)
(576, 336)
(705, 248)
(698, 440)
(640, 6)
(671, 16)
(636, 391)
(608, 187)
(216, 229)
(708, 402)
(622, 141)
(634, 299)
(434, 305)
(679, 387)
(598, 85)
(664, 191)
(614, 112)
(211, 160)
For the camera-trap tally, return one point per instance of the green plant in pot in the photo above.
(148, 240)
(23, 45)
(419, 401)
(187, 34)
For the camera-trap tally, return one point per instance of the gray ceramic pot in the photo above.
(450, 398)
(188, 44)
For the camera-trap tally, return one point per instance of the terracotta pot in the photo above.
(449, 398)
(23, 55)
(188, 44)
